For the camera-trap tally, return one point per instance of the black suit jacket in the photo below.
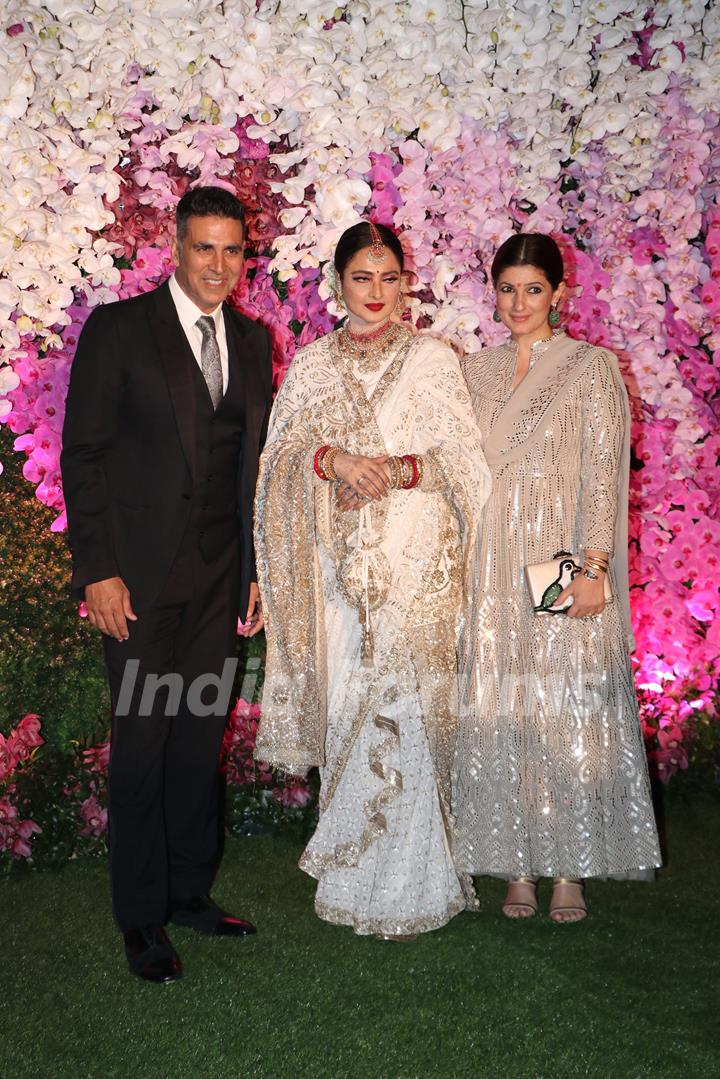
(128, 456)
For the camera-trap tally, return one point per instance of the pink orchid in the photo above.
(27, 733)
(703, 604)
(94, 816)
(97, 758)
(294, 793)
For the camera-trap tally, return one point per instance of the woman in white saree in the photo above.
(361, 596)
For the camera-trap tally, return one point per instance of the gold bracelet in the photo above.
(421, 471)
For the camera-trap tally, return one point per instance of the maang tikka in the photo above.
(377, 247)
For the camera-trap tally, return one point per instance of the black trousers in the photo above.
(163, 827)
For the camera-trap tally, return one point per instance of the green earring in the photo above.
(496, 316)
(554, 317)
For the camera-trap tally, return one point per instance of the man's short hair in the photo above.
(207, 202)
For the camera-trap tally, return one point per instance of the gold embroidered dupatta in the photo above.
(531, 408)
(320, 402)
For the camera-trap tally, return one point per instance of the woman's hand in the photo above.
(347, 499)
(588, 596)
(367, 477)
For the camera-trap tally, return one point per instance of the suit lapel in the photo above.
(177, 359)
(237, 368)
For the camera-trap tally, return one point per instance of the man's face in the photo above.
(209, 259)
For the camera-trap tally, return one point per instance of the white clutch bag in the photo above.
(546, 580)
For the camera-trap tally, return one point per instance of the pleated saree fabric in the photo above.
(384, 734)
(550, 775)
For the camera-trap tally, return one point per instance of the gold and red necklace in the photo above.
(370, 349)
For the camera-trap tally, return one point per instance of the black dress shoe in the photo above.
(150, 954)
(202, 914)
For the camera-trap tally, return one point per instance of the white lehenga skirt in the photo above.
(380, 852)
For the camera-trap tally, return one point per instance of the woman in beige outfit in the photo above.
(551, 775)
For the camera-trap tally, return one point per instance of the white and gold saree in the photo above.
(383, 734)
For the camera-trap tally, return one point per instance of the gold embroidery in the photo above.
(392, 927)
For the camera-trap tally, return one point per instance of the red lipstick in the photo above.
(374, 306)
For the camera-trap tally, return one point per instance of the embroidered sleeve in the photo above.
(603, 420)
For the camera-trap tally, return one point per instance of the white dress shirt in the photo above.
(189, 313)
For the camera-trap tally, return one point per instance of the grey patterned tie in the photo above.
(210, 359)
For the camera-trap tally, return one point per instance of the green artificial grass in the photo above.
(627, 993)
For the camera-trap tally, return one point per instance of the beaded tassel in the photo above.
(367, 646)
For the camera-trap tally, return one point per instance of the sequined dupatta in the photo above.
(561, 364)
(558, 365)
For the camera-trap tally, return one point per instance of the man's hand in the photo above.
(108, 607)
(254, 617)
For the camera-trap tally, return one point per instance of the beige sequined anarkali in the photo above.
(551, 775)
(383, 731)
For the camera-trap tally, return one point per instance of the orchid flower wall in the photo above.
(455, 122)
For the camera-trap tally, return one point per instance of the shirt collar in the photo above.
(188, 311)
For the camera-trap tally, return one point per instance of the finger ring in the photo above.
(361, 479)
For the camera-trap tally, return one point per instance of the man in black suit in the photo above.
(166, 415)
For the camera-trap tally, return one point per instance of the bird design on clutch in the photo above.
(568, 570)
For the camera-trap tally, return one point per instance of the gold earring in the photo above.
(331, 276)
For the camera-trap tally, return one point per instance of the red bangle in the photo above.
(317, 462)
(415, 472)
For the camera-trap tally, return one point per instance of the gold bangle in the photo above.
(328, 463)
(395, 472)
(421, 471)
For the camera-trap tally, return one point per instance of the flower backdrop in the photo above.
(457, 123)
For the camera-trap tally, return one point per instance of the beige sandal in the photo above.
(525, 908)
(563, 912)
